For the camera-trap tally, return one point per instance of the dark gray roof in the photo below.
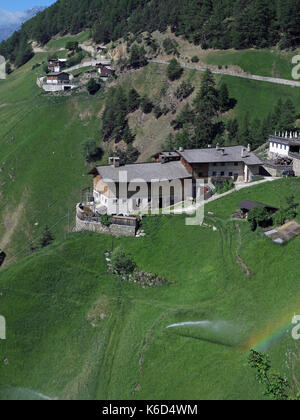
(145, 171)
(58, 74)
(212, 155)
(248, 205)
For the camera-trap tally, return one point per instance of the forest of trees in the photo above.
(210, 23)
(202, 123)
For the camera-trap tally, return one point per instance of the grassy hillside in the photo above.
(42, 169)
(76, 332)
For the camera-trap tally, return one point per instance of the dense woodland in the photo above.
(210, 23)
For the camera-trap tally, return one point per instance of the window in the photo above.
(215, 164)
(222, 173)
(200, 174)
(230, 174)
(236, 164)
(214, 173)
(222, 164)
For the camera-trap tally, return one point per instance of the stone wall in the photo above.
(56, 88)
(115, 230)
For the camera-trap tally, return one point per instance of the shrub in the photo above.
(91, 151)
(137, 57)
(174, 70)
(47, 238)
(184, 90)
(287, 212)
(223, 187)
(258, 216)
(171, 47)
(134, 100)
(35, 66)
(146, 105)
(121, 262)
(158, 111)
(105, 220)
(8, 68)
(93, 86)
(195, 59)
(72, 45)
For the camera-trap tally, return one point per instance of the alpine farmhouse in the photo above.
(173, 177)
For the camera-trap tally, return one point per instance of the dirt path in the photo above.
(277, 81)
(11, 221)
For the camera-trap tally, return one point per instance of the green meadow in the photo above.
(76, 332)
(265, 62)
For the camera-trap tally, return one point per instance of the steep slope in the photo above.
(76, 332)
(41, 161)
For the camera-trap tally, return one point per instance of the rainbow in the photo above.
(270, 334)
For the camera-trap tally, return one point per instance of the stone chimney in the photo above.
(218, 146)
(181, 149)
(249, 148)
(243, 153)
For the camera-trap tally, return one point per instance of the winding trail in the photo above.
(249, 76)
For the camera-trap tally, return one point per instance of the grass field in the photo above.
(269, 63)
(60, 42)
(76, 332)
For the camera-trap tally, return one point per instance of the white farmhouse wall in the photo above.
(229, 169)
(278, 149)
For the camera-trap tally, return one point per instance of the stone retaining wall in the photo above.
(115, 230)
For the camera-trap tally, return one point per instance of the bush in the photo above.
(137, 57)
(72, 45)
(91, 151)
(35, 66)
(46, 68)
(93, 87)
(184, 90)
(8, 68)
(105, 220)
(128, 156)
(134, 100)
(158, 111)
(287, 212)
(174, 70)
(223, 187)
(171, 47)
(258, 216)
(121, 262)
(47, 238)
(195, 59)
(146, 105)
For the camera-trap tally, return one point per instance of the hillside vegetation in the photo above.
(77, 332)
(41, 136)
(213, 24)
